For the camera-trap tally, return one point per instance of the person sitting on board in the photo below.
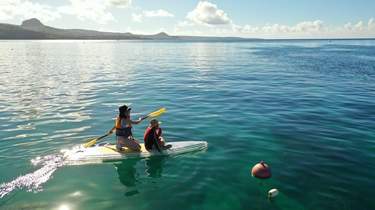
(153, 137)
(123, 128)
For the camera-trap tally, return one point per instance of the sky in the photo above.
(242, 18)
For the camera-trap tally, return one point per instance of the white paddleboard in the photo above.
(106, 151)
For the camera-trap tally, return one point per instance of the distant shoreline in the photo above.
(185, 40)
(33, 29)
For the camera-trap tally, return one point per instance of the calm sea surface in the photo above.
(307, 108)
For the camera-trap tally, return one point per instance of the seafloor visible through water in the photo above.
(307, 108)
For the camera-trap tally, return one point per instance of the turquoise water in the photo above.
(305, 107)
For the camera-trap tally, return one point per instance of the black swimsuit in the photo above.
(125, 132)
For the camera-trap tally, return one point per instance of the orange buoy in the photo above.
(261, 170)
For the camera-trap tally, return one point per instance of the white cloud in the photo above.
(121, 3)
(371, 24)
(157, 13)
(206, 15)
(359, 29)
(137, 17)
(150, 13)
(24, 9)
(310, 29)
(93, 10)
(305, 27)
(209, 14)
(184, 24)
(360, 26)
(308, 26)
(206, 19)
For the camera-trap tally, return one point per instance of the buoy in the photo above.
(273, 193)
(261, 170)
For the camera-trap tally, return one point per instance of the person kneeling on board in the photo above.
(153, 137)
(123, 128)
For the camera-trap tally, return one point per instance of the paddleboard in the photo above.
(107, 151)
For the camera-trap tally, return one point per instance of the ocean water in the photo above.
(307, 108)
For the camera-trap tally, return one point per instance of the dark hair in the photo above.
(122, 111)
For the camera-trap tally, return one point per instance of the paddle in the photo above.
(152, 114)
(93, 141)
(155, 113)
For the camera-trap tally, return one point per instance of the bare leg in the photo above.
(132, 144)
(120, 143)
(162, 144)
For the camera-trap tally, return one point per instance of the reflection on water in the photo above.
(130, 177)
(154, 166)
(127, 172)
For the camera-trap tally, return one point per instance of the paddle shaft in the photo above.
(107, 134)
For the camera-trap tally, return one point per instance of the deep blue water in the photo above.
(307, 108)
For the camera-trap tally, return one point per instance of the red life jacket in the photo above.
(151, 137)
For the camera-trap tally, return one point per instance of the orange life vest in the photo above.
(122, 131)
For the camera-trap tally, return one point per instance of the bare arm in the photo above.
(161, 138)
(157, 143)
(136, 121)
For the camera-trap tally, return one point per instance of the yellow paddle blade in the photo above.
(90, 143)
(93, 141)
(157, 113)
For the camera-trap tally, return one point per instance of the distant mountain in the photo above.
(32, 24)
(34, 29)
